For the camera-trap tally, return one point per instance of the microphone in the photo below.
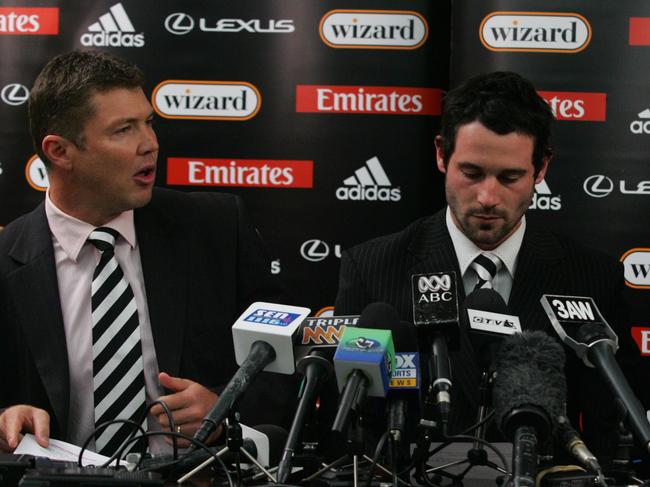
(529, 393)
(488, 322)
(568, 437)
(404, 379)
(322, 333)
(263, 339)
(435, 314)
(315, 368)
(364, 360)
(580, 325)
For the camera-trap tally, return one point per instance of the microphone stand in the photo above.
(235, 444)
(355, 445)
(477, 455)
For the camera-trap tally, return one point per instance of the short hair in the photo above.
(503, 102)
(59, 102)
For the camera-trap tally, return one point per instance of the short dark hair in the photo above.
(503, 102)
(59, 102)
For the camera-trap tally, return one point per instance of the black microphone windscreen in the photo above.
(530, 372)
(379, 316)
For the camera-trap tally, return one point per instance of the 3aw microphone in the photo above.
(263, 339)
(580, 325)
(364, 360)
(568, 437)
(529, 393)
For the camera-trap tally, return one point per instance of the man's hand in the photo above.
(189, 403)
(16, 420)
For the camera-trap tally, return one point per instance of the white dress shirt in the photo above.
(467, 251)
(76, 260)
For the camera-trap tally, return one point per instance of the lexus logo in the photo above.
(14, 94)
(598, 186)
(179, 23)
(314, 250)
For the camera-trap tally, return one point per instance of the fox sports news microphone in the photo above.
(364, 360)
(319, 338)
(580, 325)
(529, 394)
(263, 339)
(488, 323)
(435, 314)
(404, 382)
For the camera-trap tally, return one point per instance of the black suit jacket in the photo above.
(381, 269)
(203, 264)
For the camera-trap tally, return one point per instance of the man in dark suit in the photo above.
(182, 268)
(493, 149)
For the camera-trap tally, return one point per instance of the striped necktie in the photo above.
(118, 374)
(486, 266)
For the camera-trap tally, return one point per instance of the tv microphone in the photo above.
(529, 393)
(263, 340)
(580, 325)
(435, 314)
(364, 360)
(488, 322)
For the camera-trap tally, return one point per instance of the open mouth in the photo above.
(145, 172)
(146, 175)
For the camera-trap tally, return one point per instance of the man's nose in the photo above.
(488, 192)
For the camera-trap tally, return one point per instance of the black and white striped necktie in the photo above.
(118, 374)
(486, 266)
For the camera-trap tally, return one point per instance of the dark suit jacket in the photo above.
(381, 269)
(203, 264)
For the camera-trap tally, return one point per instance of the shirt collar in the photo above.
(72, 233)
(467, 251)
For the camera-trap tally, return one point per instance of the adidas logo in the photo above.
(114, 29)
(641, 126)
(542, 199)
(369, 183)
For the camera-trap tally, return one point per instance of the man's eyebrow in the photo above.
(120, 121)
(469, 165)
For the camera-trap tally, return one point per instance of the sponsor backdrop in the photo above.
(322, 115)
(590, 62)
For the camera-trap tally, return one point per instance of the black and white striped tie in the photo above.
(486, 266)
(118, 375)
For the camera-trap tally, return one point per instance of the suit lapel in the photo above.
(35, 290)
(537, 271)
(164, 257)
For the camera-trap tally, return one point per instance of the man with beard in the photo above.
(493, 148)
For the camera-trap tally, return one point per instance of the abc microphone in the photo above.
(263, 339)
(580, 325)
(529, 393)
(435, 314)
(364, 360)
